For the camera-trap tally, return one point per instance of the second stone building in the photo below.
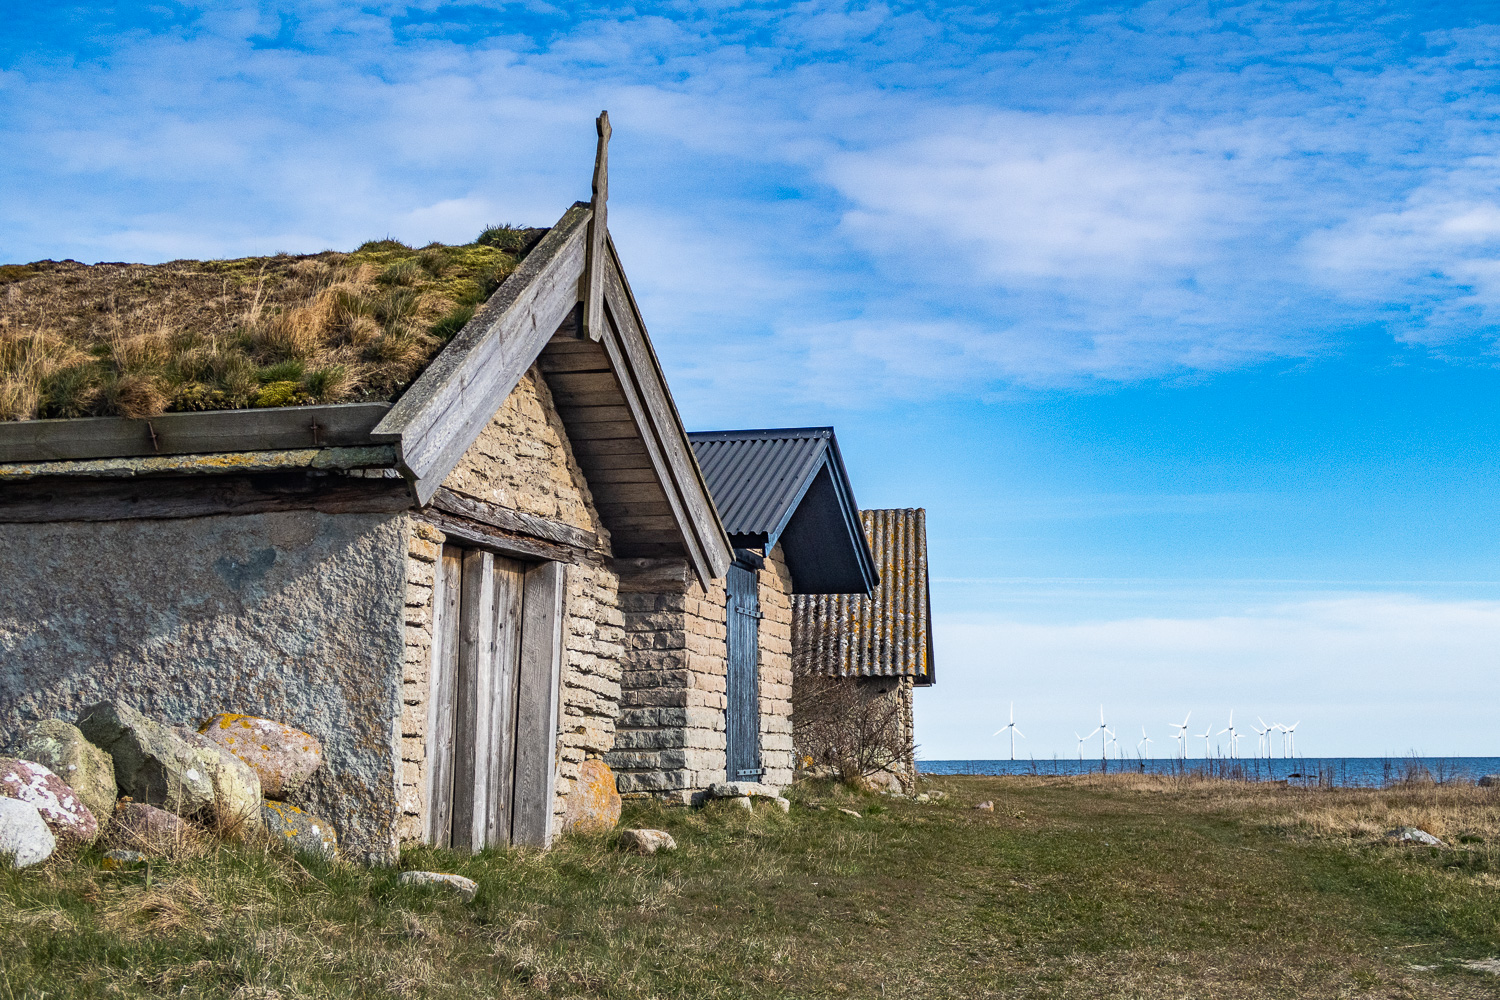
(706, 672)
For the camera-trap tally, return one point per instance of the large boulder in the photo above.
(594, 803)
(62, 749)
(237, 795)
(141, 827)
(60, 807)
(282, 757)
(153, 764)
(298, 830)
(24, 835)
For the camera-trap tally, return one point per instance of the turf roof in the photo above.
(136, 340)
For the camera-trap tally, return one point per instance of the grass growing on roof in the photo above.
(1077, 888)
(136, 340)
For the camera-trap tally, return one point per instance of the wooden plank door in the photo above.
(474, 689)
(742, 717)
(494, 698)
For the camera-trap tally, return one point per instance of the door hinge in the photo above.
(748, 614)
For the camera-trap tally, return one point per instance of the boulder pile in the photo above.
(150, 787)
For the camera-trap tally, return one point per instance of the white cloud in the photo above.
(1033, 198)
(1437, 252)
(1368, 675)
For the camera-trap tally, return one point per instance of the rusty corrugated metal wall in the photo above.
(885, 635)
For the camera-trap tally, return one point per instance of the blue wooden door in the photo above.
(742, 719)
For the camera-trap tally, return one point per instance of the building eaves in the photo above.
(789, 485)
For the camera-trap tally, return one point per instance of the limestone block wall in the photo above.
(670, 739)
(775, 590)
(296, 616)
(522, 461)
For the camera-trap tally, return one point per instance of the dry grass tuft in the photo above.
(136, 340)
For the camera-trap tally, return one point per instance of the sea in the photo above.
(1328, 772)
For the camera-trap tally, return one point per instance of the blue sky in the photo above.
(1179, 318)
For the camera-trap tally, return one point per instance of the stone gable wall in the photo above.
(670, 740)
(522, 461)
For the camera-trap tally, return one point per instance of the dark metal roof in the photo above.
(889, 633)
(789, 485)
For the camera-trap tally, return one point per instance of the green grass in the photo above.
(1068, 889)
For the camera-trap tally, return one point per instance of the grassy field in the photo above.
(1084, 887)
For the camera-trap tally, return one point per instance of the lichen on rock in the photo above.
(153, 764)
(282, 757)
(59, 805)
(594, 802)
(63, 750)
(298, 830)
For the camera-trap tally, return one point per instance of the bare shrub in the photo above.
(851, 728)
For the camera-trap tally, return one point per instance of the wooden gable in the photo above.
(608, 388)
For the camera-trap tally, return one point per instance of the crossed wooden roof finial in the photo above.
(593, 268)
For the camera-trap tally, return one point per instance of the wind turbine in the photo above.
(1182, 732)
(1081, 741)
(1146, 741)
(1291, 740)
(1204, 736)
(1231, 733)
(1014, 732)
(1104, 739)
(1262, 739)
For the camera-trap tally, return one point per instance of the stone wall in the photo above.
(670, 740)
(774, 584)
(296, 616)
(522, 461)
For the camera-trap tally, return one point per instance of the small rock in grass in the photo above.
(1489, 780)
(785, 805)
(465, 887)
(986, 806)
(937, 796)
(850, 812)
(61, 808)
(282, 757)
(140, 826)
(153, 764)
(120, 859)
(24, 835)
(1411, 834)
(923, 797)
(1490, 965)
(743, 801)
(62, 749)
(299, 830)
(647, 841)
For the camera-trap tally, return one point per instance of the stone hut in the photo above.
(429, 580)
(881, 642)
(708, 670)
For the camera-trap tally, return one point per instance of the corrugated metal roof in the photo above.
(757, 477)
(888, 634)
(789, 485)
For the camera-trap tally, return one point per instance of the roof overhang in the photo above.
(790, 486)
